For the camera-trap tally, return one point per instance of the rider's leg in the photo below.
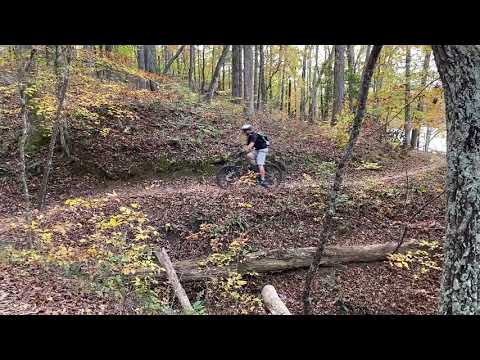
(251, 158)
(261, 158)
(261, 170)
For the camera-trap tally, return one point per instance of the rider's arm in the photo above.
(250, 146)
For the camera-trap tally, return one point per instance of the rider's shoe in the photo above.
(264, 183)
(253, 168)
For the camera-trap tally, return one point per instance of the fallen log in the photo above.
(173, 278)
(288, 259)
(272, 301)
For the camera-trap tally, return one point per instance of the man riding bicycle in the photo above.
(257, 151)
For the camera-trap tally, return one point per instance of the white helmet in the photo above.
(247, 127)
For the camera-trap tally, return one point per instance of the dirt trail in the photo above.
(191, 185)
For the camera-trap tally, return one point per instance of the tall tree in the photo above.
(351, 75)
(63, 72)
(255, 78)
(191, 69)
(248, 79)
(237, 71)
(150, 54)
(289, 107)
(216, 74)
(141, 57)
(408, 116)
(313, 94)
(302, 88)
(421, 102)
(459, 69)
(203, 68)
(282, 84)
(261, 78)
(328, 224)
(25, 69)
(338, 81)
(172, 59)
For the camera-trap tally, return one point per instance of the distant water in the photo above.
(437, 144)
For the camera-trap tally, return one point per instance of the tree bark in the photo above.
(328, 224)
(459, 69)
(62, 85)
(302, 88)
(24, 72)
(172, 59)
(272, 301)
(173, 278)
(216, 74)
(408, 117)
(261, 78)
(313, 104)
(191, 68)
(289, 108)
(338, 82)
(203, 68)
(150, 58)
(351, 75)
(282, 84)
(248, 80)
(277, 260)
(141, 57)
(255, 79)
(421, 100)
(236, 72)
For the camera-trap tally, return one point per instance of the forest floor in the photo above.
(374, 211)
(143, 178)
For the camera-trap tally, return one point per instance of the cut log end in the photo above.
(273, 302)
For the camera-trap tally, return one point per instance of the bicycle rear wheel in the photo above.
(228, 175)
(274, 175)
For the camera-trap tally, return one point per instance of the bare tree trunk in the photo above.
(216, 74)
(276, 260)
(172, 59)
(408, 118)
(351, 75)
(459, 69)
(191, 68)
(302, 87)
(255, 79)
(203, 68)
(367, 53)
(150, 58)
(338, 81)
(282, 85)
(173, 279)
(421, 101)
(270, 73)
(213, 62)
(236, 72)
(24, 70)
(248, 80)
(289, 97)
(313, 107)
(62, 85)
(141, 57)
(328, 224)
(261, 79)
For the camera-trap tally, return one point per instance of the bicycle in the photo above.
(241, 171)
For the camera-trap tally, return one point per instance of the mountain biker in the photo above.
(257, 150)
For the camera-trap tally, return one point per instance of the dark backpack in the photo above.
(264, 138)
